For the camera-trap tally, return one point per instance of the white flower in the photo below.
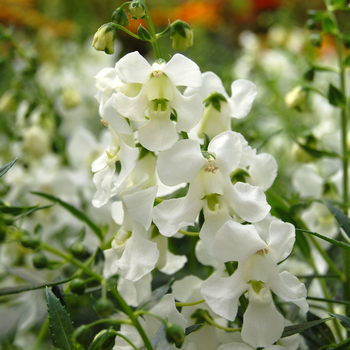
(257, 273)
(210, 187)
(219, 107)
(158, 97)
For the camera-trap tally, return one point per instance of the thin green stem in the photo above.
(125, 307)
(126, 31)
(109, 321)
(144, 312)
(42, 334)
(188, 233)
(178, 304)
(152, 32)
(209, 320)
(118, 334)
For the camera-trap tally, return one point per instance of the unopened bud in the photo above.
(137, 9)
(77, 286)
(82, 335)
(70, 98)
(296, 98)
(315, 39)
(78, 249)
(104, 38)
(181, 35)
(104, 307)
(120, 17)
(174, 334)
(40, 261)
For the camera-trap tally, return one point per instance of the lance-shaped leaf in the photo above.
(342, 219)
(336, 97)
(60, 322)
(345, 321)
(298, 328)
(74, 211)
(7, 167)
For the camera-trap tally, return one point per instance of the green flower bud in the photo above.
(78, 249)
(120, 17)
(181, 35)
(104, 307)
(315, 39)
(137, 9)
(104, 38)
(70, 98)
(174, 334)
(40, 260)
(77, 286)
(82, 335)
(29, 242)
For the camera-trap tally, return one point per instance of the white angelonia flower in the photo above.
(165, 308)
(219, 108)
(210, 187)
(258, 274)
(241, 346)
(158, 97)
(132, 255)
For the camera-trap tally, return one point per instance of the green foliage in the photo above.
(143, 33)
(74, 211)
(7, 167)
(336, 97)
(60, 323)
(342, 219)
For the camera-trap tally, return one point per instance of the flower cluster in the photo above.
(162, 138)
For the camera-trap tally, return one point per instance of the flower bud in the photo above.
(40, 261)
(104, 38)
(70, 98)
(174, 334)
(78, 249)
(77, 286)
(29, 242)
(120, 17)
(82, 335)
(104, 307)
(137, 9)
(296, 98)
(181, 35)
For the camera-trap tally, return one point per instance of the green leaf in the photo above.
(166, 31)
(317, 153)
(344, 345)
(342, 219)
(291, 330)
(345, 321)
(333, 241)
(60, 322)
(25, 288)
(74, 211)
(329, 26)
(99, 261)
(335, 96)
(347, 61)
(155, 297)
(192, 328)
(7, 167)
(316, 15)
(143, 33)
(338, 4)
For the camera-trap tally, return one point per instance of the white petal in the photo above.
(183, 71)
(211, 83)
(307, 183)
(243, 95)
(181, 163)
(133, 68)
(131, 107)
(135, 293)
(236, 242)
(184, 289)
(128, 158)
(205, 259)
(227, 149)
(249, 202)
(235, 346)
(262, 171)
(262, 323)
(222, 294)
(158, 134)
(117, 212)
(139, 257)
(115, 120)
(289, 288)
(174, 214)
(174, 263)
(103, 182)
(189, 111)
(140, 205)
(109, 269)
(281, 240)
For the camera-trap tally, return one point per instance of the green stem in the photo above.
(188, 233)
(118, 334)
(178, 304)
(144, 312)
(152, 32)
(125, 307)
(126, 31)
(42, 334)
(108, 320)
(212, 323)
